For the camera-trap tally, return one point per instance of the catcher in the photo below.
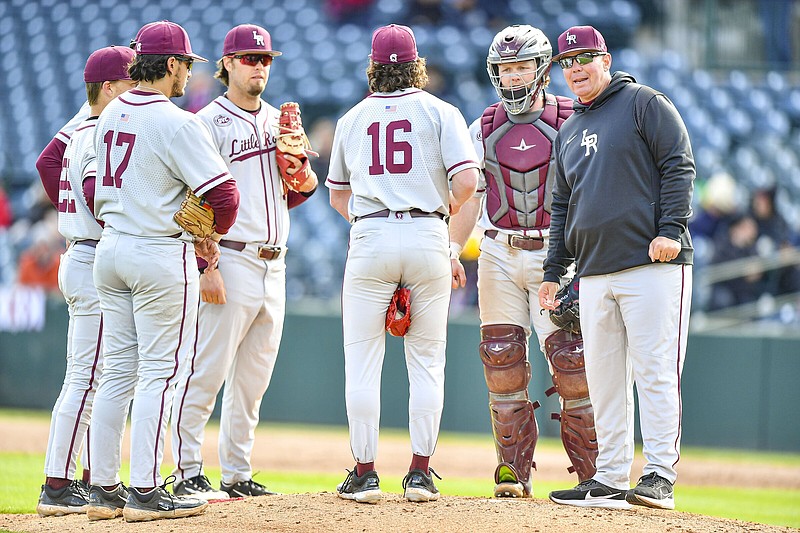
(514, 138)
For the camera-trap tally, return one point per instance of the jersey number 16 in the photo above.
(392, 147)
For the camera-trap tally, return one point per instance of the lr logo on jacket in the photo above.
(589, 141)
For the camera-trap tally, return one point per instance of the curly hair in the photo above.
(149, 68)
(390, 78)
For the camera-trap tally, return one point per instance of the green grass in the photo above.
(21, 477)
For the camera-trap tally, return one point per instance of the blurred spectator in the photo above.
(201, 90)
(349, 11)
(776, 24)
(774, 235)
(773, 231)
(718, 203)
(38, 264)
(6, 215)
(737, 241)
(426, 12)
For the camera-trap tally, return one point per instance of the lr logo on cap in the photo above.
(393, 58)
(259, 39)
(571, 39)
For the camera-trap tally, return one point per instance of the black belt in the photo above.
(88, 242)
(519, 242)
(414, 213)
(265, 251)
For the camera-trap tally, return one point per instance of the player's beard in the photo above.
(178, 87)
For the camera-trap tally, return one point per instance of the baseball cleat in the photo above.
(158, 503)
(652, 491)
(199, 487)
(106, 504)
(507, 484)
(243, 489)
(591, 493)
(419, 487)
(362, 489)
(59, 502)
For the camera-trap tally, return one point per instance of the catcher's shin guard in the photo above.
(504, 354)
(564, 351)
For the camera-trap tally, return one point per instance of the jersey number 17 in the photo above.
(123, 138)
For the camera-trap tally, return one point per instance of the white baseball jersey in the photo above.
(243, 139)
(148, 151)
(389, 164)
(238, 341)
(397, 151)
(75, 221)
(65, 133)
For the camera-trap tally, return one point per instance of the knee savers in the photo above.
(504, 354)
(564, 351)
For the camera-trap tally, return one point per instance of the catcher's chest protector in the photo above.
(519, 177)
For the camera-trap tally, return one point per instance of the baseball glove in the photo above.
(195, 216)
(296, 172)
(567, 315)
(398, 316)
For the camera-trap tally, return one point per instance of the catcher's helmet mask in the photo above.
(514, 44)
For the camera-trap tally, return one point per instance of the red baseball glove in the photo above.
(398, 316)
(292, 149)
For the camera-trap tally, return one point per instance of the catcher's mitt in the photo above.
(398, 316)
(296, 174)
(567, 315)
(195, 216)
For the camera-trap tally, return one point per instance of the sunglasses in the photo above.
(252, 60)
(582, 59)
(186, 60)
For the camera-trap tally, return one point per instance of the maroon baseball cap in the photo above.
(108, 64)
(164, 38)
(248, 39)
(393, 44)
(580, 39)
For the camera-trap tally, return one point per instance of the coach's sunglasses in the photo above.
(582, 59)
(186, 60)
(252, 60)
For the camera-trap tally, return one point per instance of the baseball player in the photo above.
(49, 162)
(621, 202)
(514, 138)
(392, 158)
(106, 77)
(148, 152)
(240, 319)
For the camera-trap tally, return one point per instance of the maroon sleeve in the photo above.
(49, 167)
(88, 195)
(296, 198)
(224, 199)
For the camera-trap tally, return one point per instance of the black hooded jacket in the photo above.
(624, 175)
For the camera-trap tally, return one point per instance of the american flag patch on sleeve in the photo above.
(390, 108)
(124, 117)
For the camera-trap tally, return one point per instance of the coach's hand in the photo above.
(663, 249)
(547, 294)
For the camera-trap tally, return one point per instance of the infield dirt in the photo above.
(308, 450)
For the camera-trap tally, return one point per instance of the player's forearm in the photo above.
(340, 200)
(224, 199)
(49, 166)
(462, 223)
(464, 185)
(296, 198)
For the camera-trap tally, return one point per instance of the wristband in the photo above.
(455, 250)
